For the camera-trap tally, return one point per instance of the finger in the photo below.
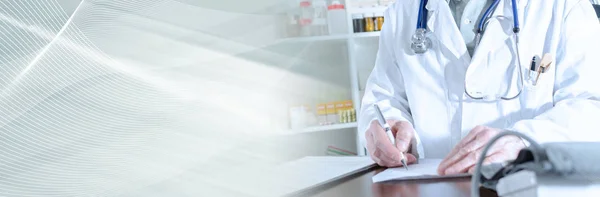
(463, 165)
(383, 143)
(472, 169)
(379, 153)
(472, 134)
(501, 151)
(376, 154)
(479, 140)
(404, 134)
(377, 158)
(388, 161)
(410, 158)
(452, 160)
(494, 158)
(369, 137)
(371, 147)
(371, 143)
(465, 141)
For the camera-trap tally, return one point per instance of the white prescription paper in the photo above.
(425, 169)
(310, 172)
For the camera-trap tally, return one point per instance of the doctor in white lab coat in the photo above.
(423, 96)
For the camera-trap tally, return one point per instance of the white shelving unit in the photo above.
(353, 42)
(365, 35)
(315, 38)
(324, 128)
(343, 37)
(353, 10)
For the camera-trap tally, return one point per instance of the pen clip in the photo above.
(545, 64)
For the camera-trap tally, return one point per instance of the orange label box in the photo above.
(331, 115)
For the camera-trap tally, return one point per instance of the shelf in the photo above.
(330, 38)
(378, 9)
(324, 128)
(366, 34)
(315, 38)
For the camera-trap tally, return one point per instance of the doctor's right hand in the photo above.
(381, 148)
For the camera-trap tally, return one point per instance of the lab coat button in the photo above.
(468, 21)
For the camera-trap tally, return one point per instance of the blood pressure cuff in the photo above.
(571, 160)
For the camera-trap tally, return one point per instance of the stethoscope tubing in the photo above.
(422, 18)
(487, 15)
(422, 24)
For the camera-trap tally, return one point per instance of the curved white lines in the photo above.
(115, 95)
(45, 49)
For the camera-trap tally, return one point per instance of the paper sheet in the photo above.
(310, 172)
(425, 169)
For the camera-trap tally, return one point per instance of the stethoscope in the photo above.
(421, 43)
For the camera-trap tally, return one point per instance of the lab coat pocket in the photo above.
(535, 95)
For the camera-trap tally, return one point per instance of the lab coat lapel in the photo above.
(493, 64)
(445, 31)
(497, 31)
(449, 48)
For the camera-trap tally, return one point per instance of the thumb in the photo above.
(404, 134)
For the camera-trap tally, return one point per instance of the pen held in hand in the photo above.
(382, 121)
(384, 124)
(403, 160)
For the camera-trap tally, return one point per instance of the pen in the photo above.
(388, 131)
(533, 64)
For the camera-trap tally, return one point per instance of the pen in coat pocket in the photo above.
(532, 67)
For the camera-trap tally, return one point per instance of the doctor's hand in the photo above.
(381, 148)
(464, 156)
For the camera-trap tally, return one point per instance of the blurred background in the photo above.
(177, 97)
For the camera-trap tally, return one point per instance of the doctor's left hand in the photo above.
(464, 156)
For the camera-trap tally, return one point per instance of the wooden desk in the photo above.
(361, 185)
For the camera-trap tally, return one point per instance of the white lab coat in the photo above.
(428, 90)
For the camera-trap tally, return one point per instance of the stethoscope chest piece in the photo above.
(420, 42)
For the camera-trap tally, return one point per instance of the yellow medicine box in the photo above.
(321, 109)
(332, 116)
(322, 114)
(339, 106)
